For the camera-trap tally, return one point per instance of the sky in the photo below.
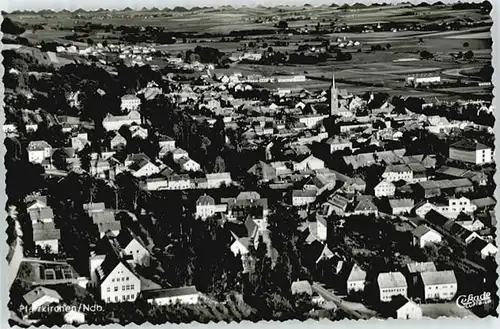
(11, 5)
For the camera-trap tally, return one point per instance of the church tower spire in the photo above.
(334, 101)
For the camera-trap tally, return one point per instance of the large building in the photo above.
(391, 284)
(439, 285)
(471, 152)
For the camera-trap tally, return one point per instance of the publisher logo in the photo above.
(469, 301)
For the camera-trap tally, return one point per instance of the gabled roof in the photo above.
(94, 206)
(391, 280)
(126, 236)
(103, 216)
(250, 226)
(169, 293)
(418, 267)
(477, 244)
(304, 193)
(248, 195)
(401, 203)
(104, 227)
(438, 277)
(469, 145)
(109, 264)
(365, 204)
(484, 202)
(398, 302)
(356, 274)
(38, 293)
(422, 230)
(45, 231)
(38, 145)
(205, 200)
(41, 213)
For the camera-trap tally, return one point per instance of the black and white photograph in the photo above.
(171, 163)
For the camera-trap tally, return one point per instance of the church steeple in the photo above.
(334, 101)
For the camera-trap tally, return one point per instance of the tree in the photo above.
(466, 44)
(424, 54)
(469, 55)
(282, 25)
(59, 159)
(388, 46)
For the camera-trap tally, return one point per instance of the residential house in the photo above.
(117, 281)
(451, 209)
(37, 202)
(179, 153)
(413, 270)
(118, 142)
(303, 197)
(423, 235)
(309, 163)
(336, 204)
(134, 247)
(38, 151)
(318, 230)
(94, 207)
(391, 284)
(188, 164)
(240, 246)
(401, 307)
(138, 131)
(130, 102)
(171, 296)
(249, 205)
(438, 285)
(79, 142)
(422, 208)
(385, 188)
(41, 215)
(106, 223)
(339, 143)
(40, 296)
(115, 122)
(281, 168)
(46, 235)
(401, 206)
(482, 248)
(144, 168)
(206, 207)
(166, 143)
(180, 182)
(320, 183)
(216, 180)
(365, 206)
(471, 152)
(263, 171)
(394, 173)
(356, 280)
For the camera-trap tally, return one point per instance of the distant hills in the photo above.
(180, 9)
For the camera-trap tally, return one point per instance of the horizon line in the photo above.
(95, 5)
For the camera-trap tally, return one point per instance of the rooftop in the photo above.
(391, 280)
(469, 145)
(438, 277)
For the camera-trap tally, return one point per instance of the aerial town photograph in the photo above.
(249, 163)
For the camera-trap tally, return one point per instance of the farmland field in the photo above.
(398, 58)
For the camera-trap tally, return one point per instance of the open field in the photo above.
(381, 70)
(445, 310)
